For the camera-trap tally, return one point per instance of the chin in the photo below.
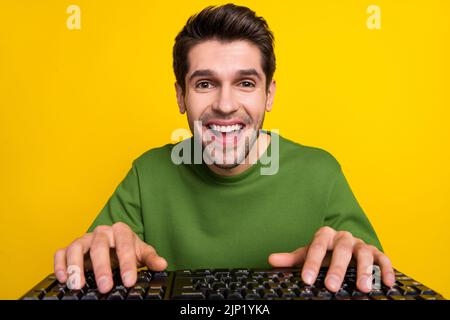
(231, 162)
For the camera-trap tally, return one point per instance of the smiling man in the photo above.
(222, 211)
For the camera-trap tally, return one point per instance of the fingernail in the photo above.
(127, 279)
(162, 261)
(60, 275)
(103, 283)
(308, 277)
(391, 278)
(366, 282)
(333, 282)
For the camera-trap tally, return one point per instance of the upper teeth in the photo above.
(226, 128)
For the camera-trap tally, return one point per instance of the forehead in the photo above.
(224, 57)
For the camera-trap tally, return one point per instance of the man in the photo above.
(223, 212)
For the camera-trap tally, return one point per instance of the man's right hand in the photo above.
(131, 252)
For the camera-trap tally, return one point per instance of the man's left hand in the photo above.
(344, 247)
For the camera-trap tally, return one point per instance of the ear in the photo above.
(180, 98)
(270, 95)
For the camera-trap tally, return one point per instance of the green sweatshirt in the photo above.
(196, 218)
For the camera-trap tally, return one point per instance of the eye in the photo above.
(204, 85)
(247, 84)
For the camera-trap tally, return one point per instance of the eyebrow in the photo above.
(249, 72)
(210, 73)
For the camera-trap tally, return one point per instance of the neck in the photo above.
(258, 149)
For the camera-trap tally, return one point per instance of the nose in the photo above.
(225, 103)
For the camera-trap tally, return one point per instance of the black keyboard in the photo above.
(233, 284)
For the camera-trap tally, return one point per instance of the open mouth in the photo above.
(226, 134)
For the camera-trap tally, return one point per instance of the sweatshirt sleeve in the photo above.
(343, 212)
(124, 205)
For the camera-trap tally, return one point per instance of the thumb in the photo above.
(148, 256)
(288, 259)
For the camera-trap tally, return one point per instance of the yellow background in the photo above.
(77, 106)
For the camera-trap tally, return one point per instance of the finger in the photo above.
(387, 271)
(364, 267)
(60, 267)
(288, 259)
(317, 250)
(101, 261)
(75, 262)
(342, 254)
(147, 256)
(126, 253)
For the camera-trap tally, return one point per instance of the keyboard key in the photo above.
(342, 293)
(271, 285)
(357, 293)
(343, 298)
(402, 298)
(154, 294)
(252, 285)
(235, 295)
(430, 297)
(199, 286)
(92, 294)
(142, 285)
(408, 282)
(215, 296)
(73, 295)
(160, 274)
(201, 272)
(223, 291)
(121, 288)
(116, 295)
(225, 279)
(190, 294)
(56, 293)
(183, 273)
(158, 283)
(183, 282)
(321, 298)
(286, 293)
(143, 276)
(424, 290)
(252, 296)
(235, 285)
(52, 295)
(393, 292)
(407, 290)
(211, 279)
(268, 293)
(240, 272)
(34, 295)
(46, 285)
(218, 285)
(380, 297)
(324, 293)
(300, 298)
(377, 292)
(136, 294)
(306, 292)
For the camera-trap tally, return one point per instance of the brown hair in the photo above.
(225, 23)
